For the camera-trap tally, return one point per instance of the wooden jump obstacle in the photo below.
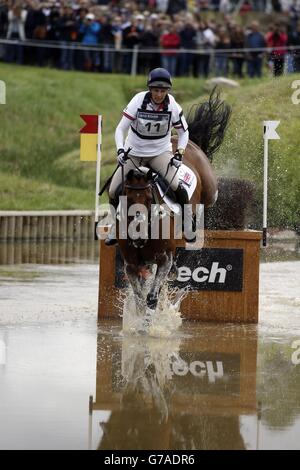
(223, 277)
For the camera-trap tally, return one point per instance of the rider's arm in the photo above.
(183, 138)
(179, 123)
(121, 132)
(129, 115)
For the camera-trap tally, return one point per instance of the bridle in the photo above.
(129, 186)
(140, 243)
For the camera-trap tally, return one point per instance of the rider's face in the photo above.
(158, 94)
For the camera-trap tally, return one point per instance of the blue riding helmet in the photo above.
(160, 78)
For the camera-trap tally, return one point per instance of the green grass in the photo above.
(39, 136)
(19, 193)
(241, 154)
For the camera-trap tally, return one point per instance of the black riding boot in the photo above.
(111, 237)
(187, 213)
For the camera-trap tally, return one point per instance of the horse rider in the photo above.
(145, 128)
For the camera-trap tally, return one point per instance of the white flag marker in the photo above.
(269, 134)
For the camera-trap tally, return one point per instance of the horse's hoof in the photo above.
(147, 320)
(151, 302)
(142, 332)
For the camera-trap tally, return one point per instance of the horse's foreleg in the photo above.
(163, 268)
(132, 274)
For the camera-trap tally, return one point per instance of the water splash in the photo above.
(166, 319)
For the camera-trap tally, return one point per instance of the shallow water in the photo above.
(207, 386)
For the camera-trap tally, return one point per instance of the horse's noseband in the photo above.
(129, 186)
(139, 243)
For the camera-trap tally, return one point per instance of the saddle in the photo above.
(188, 179)
(186, 176)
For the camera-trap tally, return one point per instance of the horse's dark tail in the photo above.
(208, 122)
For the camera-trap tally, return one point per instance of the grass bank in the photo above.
(39, 136)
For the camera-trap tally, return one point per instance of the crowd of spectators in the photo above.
(99, 35)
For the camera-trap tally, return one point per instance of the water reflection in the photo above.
(62, 252)
(191, 392)
(279, 384)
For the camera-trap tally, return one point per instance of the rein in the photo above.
(136, 166)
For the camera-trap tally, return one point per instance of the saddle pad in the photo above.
(189, 180)
(187, 176)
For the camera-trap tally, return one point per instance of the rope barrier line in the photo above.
(83, 47)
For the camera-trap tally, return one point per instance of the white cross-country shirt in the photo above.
(150, 133)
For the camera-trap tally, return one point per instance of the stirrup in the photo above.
(111, 240)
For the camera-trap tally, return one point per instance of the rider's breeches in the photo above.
(159, 163)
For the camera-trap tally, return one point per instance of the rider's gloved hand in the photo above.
(122, 158)
(176, 160)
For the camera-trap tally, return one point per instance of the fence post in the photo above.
(134, 61)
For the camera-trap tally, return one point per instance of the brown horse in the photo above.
(207, 125)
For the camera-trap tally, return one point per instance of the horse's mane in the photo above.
(137, 174)
(208, 122)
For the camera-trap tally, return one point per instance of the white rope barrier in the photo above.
(85, 47)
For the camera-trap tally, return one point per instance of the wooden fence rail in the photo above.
(46, 225)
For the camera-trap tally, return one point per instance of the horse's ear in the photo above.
(130, 175)
(149, 175)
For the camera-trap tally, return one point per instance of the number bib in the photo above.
(151, 124)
